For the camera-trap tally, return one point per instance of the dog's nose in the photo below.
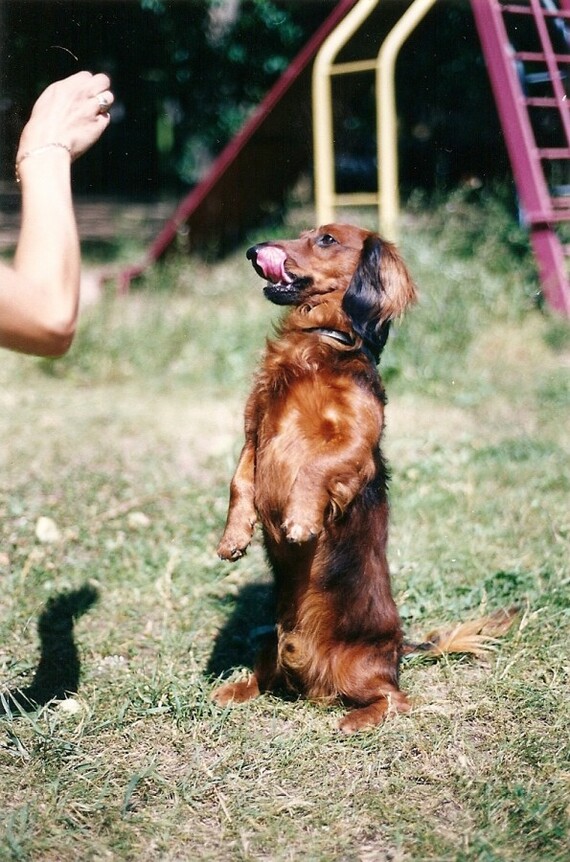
(251, 253)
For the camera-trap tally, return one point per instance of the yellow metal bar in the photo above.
(356, 199)
(355, 66)
(386, 117)
(387, 200)
(323, 131)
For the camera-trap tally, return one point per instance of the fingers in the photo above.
(73, 111)
(90, 99)
(89, 82)
(100, 97)
(95, 88)
(98, 83)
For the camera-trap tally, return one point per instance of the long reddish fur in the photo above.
(312, 473)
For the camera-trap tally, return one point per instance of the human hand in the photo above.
(73, 112)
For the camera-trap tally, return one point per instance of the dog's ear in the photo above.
(380, 290)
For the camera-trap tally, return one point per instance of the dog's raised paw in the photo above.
(230, 551)
(298, 533)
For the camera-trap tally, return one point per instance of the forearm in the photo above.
(39, 294)
(47, 260)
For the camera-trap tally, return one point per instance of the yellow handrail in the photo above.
(387, 198)
(387, 120)
(323, 132)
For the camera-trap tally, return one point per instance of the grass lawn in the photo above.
(127, 446)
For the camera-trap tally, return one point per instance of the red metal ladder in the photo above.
(526, 44)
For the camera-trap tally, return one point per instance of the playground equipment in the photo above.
(526, 45)
(527, 49)
(515, 70)
(384, 67)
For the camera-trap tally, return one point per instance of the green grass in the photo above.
(129, 443)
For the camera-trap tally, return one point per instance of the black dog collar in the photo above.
(347, 340)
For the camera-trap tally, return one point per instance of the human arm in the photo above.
(39, 293)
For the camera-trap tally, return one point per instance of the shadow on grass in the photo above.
(252, 619)
(58, 670)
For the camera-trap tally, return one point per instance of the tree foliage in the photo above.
(187, 74)
(219, 59)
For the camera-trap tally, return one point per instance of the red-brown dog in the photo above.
(311, 471)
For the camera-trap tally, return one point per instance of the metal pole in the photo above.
(323, 127)
(387, 118)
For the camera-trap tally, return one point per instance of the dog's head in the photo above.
(365, 271)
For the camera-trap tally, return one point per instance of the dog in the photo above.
(312, 472)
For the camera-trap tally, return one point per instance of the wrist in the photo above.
(43, 152)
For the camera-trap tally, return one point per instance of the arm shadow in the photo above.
(58, 670)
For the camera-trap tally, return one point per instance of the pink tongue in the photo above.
(271, 261)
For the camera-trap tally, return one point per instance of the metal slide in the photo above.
(254, 172)
(326, 67)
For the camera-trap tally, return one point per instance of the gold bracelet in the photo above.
(38, 150)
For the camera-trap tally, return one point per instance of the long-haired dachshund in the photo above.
(312, 473)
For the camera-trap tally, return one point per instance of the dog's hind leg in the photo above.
(374, 713)
(265, 677)
(237, 692)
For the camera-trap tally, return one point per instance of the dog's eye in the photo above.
(325, 240)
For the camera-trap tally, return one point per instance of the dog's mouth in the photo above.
(269, 263)
(282, 288)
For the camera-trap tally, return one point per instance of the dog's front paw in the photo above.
(233, 546)
(298, 532)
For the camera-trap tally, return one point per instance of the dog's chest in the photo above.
(304, 410)
(300, 420)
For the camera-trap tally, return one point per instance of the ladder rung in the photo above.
(516, 9)
(354, 66)
(356, 199)
(547, 217)
(544, 102)
(561, 153)
(540, 57)
(560, 196)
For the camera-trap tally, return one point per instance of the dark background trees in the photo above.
(187, 73)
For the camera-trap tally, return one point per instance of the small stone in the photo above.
(138, 520)
(70, 706)
(47, 531)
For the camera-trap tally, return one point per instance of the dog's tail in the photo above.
(475, 637)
